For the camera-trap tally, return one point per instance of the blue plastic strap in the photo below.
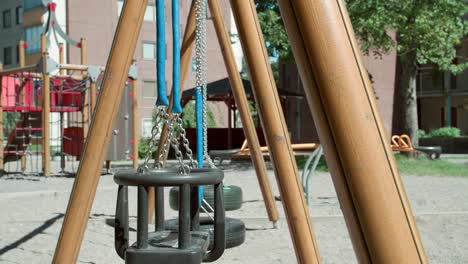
(161, 54)
(199, 129)
(176, 107)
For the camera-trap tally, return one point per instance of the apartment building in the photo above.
(96, 21)
(11, 31)
(443, 97)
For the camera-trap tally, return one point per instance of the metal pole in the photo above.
(45, 109)
(320, 119)
(89, 170)
(380, 201)
(243, 106)
(276, 133)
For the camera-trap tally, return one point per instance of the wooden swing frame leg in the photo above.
(115, 76)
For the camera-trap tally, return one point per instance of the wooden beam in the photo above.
(275, 130)
(364, 170)
(243, 106)
(45, 109)
(89, 170)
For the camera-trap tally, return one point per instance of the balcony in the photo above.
(31, 4)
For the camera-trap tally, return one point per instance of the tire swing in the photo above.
(232, 195)
(188, 243)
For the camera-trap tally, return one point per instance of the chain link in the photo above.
(201, 70)
(161, 117)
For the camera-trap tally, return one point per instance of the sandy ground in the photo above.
(32, 211)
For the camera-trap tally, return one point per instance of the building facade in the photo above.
(11, 31)
(96, 22)
(442, 96)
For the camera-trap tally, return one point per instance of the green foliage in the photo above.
(321, 166)
(430, 28)
(425, 167)
(273, 32)
(421, 133)
(189, 118)
(445, 132)
(9, 121)
(410, 166)
(143, 146)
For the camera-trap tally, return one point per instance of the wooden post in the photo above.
(243, 106)
(62, 114)
(89, 170)
(326, 139)
(85, 110)
(22, 63)
(135, 123)
(45, 109)
(333, 55)
(93, 92)
(185, 62)
(2, 167)
(276, 133)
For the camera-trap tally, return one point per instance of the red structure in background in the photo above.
(73, 140)
(22, 93)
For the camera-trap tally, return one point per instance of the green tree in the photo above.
(189, 118)
(426, 31)
(421, 32)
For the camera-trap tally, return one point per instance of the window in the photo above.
(150, 13)
(149, 89)
(32, 36)
(6, 19)
(19, 15)
(119, 7)
(17, 54)
(149, 51)
(31, 4)
(7, 56)
(146, 126)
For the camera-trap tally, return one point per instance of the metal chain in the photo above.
(201, 70)
(161, 116)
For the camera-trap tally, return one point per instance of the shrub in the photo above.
(445, 132)
(143, 146)
(421, 133)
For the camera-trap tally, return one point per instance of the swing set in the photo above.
(363, 169)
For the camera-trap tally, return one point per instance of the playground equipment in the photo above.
(48, 108)
(403, 143)
(344, 108)
(192, 242)
(189, 244)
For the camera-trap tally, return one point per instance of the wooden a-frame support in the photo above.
(385, 236)
(87, 178)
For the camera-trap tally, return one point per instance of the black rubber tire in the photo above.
(232, 197)
(235, 230)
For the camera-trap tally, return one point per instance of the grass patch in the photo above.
(409, 166)
(427, 167)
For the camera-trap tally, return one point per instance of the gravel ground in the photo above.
(33, 208)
